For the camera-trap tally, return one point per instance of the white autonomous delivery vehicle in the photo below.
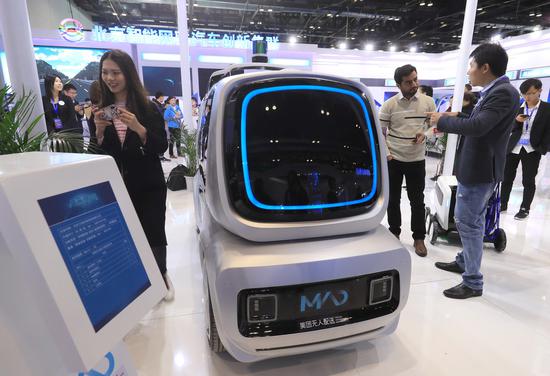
(292, 185)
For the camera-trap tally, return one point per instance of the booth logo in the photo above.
(108, 372)
(339, 298)
(71, 30)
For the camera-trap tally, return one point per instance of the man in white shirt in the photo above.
(403, 117)
(529, 140)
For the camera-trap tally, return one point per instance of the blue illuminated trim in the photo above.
(244, 151)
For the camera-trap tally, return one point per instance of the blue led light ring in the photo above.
(244, 152)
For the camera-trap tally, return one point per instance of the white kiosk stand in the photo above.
(76, 271)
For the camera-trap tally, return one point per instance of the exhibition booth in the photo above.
(158, 59)
(281, 271)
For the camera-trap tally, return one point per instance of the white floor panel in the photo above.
(505, 332)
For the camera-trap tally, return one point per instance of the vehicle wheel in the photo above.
(214, 340)
(500, 241)
(435, 232)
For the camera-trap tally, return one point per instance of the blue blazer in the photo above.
(481, 151)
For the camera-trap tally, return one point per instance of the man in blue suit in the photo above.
(481, 157)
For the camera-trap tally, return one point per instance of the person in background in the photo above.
(468, 89)
(529, 141)
(58, 108)
(135, 138)
(195, 113)
(70, 91)
(88, 119)
(404, 117)
(158, 100)
(173, 117)
(426, 90)
(481, 156)
(468, 103)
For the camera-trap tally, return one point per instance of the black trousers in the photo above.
(175, 138)
(160, 257)
(415, 175)
(530, 167)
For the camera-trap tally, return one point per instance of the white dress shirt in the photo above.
(525, 140)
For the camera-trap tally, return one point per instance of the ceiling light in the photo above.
(194, 19)
(393, 48)
(115, 14)
(123, 14)
(252, 22)
(480, 9)
(342, 45)
(539, 14)
(329, 15)
(371, 29)
(414, 50)
(369, 47)
(292, 39)
(367, 29)
(261, 9)
(270, 10)
(430, 4)
(422, 3)
(532, 14)
(259, 22)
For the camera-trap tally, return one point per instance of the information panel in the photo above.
(99, 252)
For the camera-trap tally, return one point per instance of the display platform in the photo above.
(76, 271)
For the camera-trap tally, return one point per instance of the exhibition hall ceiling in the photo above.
(421, 25)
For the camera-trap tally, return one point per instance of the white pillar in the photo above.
(185, 65)
(16, 33)
(461, 68)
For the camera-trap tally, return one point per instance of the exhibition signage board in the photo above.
(197, 38)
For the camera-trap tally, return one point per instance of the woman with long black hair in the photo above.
(135, 137)
(58, 108)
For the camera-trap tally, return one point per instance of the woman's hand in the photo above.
(99, 121)
(133, 123)
(100, 124)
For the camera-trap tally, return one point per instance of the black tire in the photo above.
(214, 340)
(500, 241)
(436, 231)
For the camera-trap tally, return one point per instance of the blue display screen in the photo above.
(99, 252)
(304, 159)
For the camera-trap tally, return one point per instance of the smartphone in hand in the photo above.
(110, 112)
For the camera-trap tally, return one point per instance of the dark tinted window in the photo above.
(300, 152)
(204, 125)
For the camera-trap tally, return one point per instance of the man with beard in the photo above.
(403, 118)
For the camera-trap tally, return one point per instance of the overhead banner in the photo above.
(144, 35)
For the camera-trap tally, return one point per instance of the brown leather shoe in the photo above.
(420, 248)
